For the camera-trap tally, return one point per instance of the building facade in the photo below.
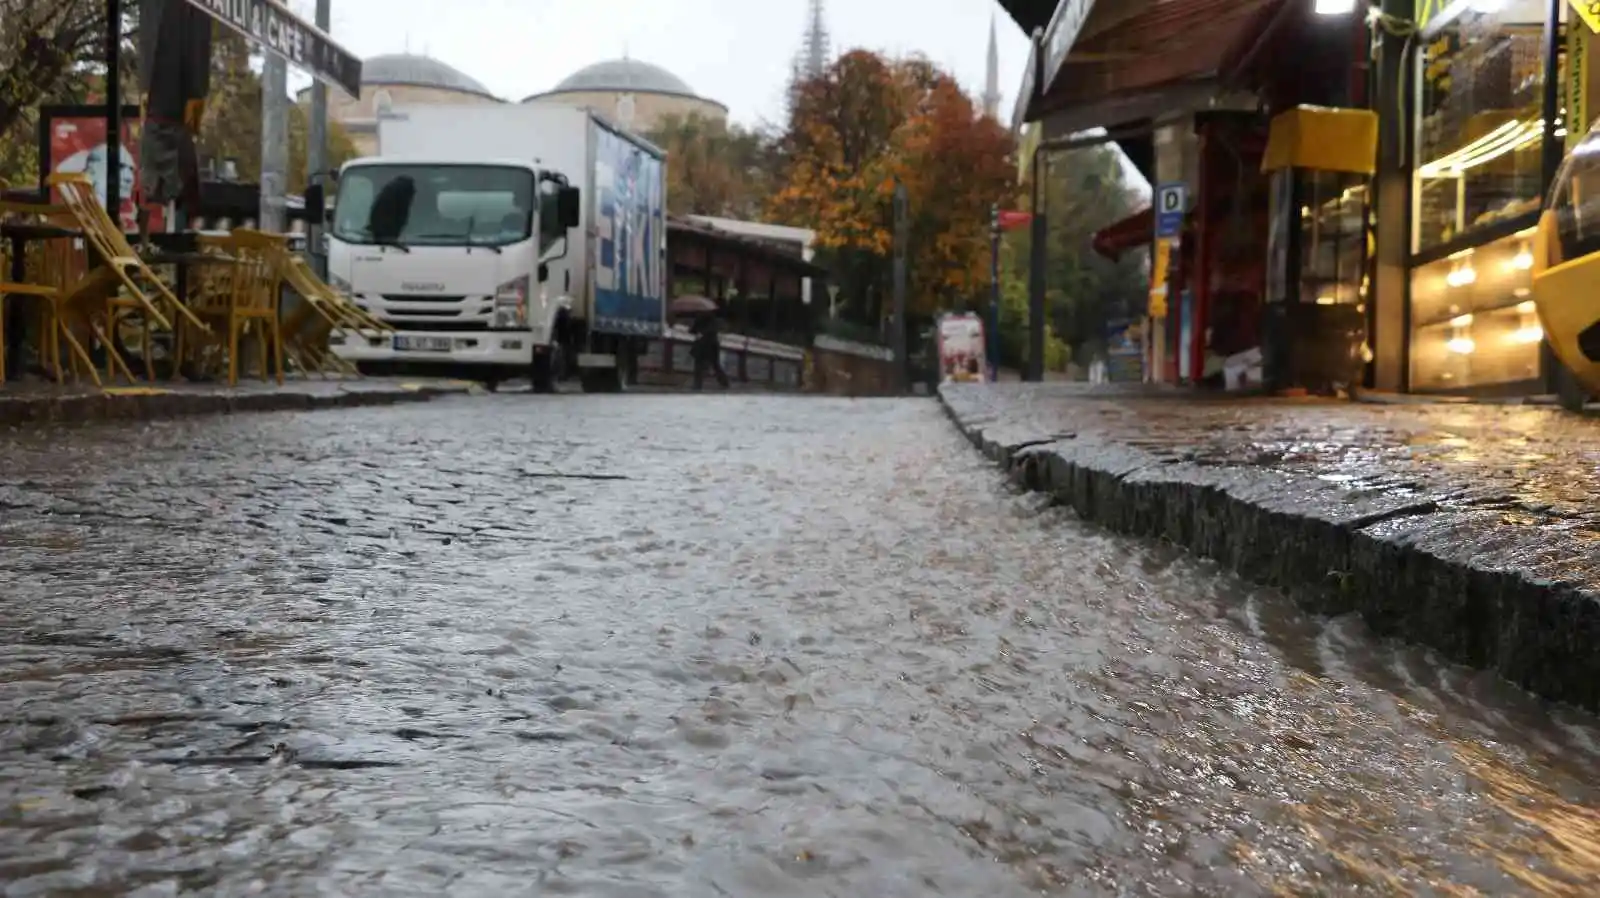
(1411, 257)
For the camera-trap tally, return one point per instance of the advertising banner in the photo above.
(77, 143)
(961, 349)
(630, 282)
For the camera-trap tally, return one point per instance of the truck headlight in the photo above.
(511, 303)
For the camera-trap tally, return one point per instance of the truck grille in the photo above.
(414, 312)
(409, 297)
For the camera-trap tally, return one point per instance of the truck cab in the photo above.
(466, 260)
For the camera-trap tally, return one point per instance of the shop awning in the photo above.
(1130, 233)
(1029, 14)
(1141, 59)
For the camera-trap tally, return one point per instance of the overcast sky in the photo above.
(734, 51)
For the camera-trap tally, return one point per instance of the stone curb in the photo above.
(1412, 568)
(90, 407)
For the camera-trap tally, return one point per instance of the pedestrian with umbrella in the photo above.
(707, 349)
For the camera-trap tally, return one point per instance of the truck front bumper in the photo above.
(490, 348)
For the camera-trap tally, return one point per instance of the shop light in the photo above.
(1461, 321)
(1530, 331)
(1523, 260)
(1325, 300)
(1508, 137)
(1461, 345)
(1462, 275)
(1335, 7)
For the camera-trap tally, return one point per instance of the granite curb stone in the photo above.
(27, 410)
(1437, 567)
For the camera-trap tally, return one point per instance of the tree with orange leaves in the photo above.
(865, 124)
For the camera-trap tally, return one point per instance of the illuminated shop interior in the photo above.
(1479, 140)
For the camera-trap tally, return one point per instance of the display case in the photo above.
(1473, 318)
(1480, 123)
(1318, 243)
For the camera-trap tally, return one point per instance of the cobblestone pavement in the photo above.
(701, 646)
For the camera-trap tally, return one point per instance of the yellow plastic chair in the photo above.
(322, 311)
(247, 300)
(53, 268)
(144, 287)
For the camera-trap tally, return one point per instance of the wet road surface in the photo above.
(744, 646)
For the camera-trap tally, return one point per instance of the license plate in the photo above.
(423, 344)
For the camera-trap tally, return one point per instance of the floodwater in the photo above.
(702, 646)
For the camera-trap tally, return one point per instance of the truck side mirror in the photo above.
(569, 207)
(316, 203)
(544, 272)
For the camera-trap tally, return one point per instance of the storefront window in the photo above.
(1473, 318)
(1479, 122)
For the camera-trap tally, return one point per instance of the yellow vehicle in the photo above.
(1566, 272)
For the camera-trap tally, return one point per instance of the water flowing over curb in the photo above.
(1397, 560)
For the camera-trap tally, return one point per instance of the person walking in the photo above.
(707, 350)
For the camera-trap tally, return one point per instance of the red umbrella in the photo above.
(692, 305)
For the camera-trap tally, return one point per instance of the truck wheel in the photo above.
(546, 369)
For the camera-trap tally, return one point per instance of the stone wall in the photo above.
(843, 368)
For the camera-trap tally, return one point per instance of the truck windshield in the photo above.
(435, 205)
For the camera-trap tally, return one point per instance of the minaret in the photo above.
(815, 49)
(991, 88)
(814, 55)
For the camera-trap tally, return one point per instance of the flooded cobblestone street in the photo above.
(702, 646)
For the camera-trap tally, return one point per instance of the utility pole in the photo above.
(902, 236)
(274, 143)
(317, 152)
(992, 345)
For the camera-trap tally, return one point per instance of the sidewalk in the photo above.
(1474, 529)
(35, 402)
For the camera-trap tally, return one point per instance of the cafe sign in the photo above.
(270, 25)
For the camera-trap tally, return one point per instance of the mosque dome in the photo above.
(397, 69)
(624, 76)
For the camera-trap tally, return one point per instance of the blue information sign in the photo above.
(1172, 201)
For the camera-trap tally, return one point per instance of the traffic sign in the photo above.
(1172, 201)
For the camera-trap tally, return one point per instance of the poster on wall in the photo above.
(961, 349)
(77, 144)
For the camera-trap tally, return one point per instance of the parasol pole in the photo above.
(113, 50)
(317, 151)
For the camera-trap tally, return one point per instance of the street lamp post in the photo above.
(992, 349)
(902, 235)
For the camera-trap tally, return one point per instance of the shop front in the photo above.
(1487, 127)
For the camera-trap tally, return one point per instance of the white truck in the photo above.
(503, 242)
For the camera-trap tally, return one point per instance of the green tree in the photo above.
(1085, 190)
(714, 168)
